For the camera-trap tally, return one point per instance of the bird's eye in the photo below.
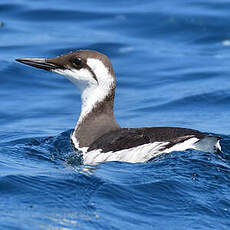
(77, 62)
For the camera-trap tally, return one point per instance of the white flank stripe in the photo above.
(188, 144)
(140, 153)
(144, 153)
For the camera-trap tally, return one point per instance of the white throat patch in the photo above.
(98, 91)
(92, 91)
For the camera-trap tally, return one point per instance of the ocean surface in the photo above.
(172, 62)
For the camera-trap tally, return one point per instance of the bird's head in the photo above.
(88, 70)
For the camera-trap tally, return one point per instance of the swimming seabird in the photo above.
(97, 134)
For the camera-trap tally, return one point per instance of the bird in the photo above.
(97, 135)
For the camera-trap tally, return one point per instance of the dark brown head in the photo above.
(85, 68)
(93, 74)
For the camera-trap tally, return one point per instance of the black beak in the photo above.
(41, 63)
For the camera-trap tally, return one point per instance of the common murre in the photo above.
(97, 134)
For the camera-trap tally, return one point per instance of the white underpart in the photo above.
(144, 153)
(140, 153)
(92, 91)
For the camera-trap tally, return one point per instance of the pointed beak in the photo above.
(41, 63)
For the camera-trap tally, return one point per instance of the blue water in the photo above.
(172, 62)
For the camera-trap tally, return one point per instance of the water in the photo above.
(172, 65)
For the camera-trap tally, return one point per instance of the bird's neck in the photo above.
(96, 119)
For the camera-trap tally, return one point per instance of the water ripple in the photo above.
(172, 67)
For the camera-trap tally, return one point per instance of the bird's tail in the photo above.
(209, 143)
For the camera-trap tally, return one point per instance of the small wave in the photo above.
(61, 15)
(56, 150)
(211, 100)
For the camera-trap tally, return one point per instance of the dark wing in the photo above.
(126, 138)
